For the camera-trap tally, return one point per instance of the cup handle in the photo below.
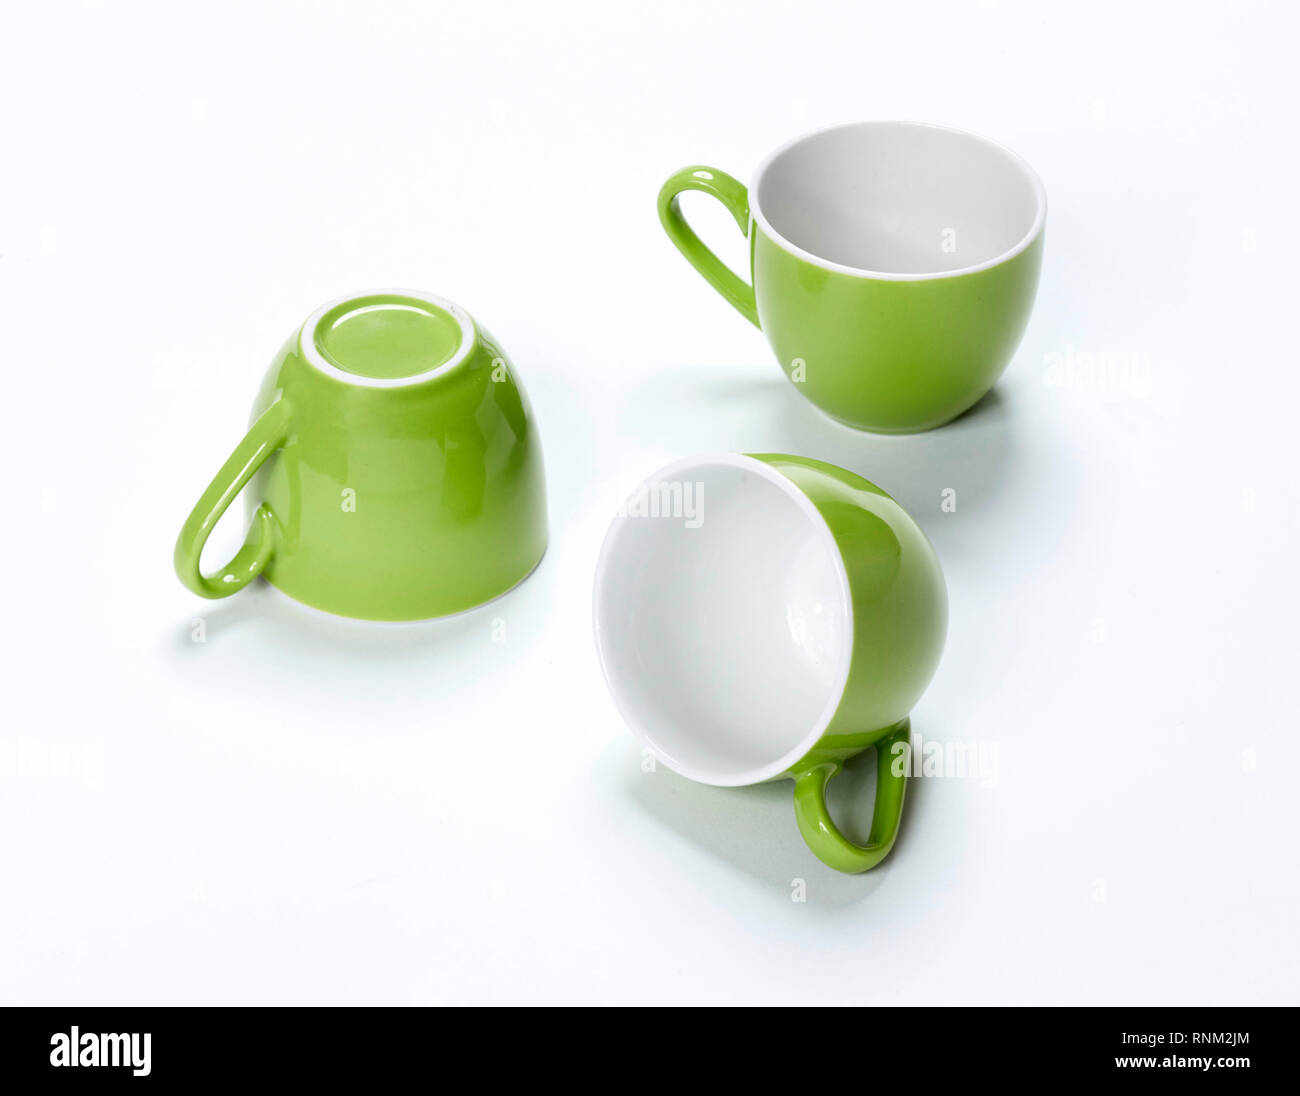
(732, 194)
(823, 836)
(265, 436)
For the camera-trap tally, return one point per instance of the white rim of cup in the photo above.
(307, 339)
(624, 706)
(1040, 218)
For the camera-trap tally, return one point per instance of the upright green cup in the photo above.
(765, 617)
(393, 471)
(893, 265)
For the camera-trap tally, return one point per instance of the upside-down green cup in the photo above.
(893, 265)
(764, 617)
(392, 470)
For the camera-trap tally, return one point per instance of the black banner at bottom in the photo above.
(144, 1046)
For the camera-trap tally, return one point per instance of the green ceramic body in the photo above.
(900, 620)
(891, 356)
(382, 501)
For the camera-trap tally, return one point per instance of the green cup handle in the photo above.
(732, 194)
(823, 836)
(265, 436)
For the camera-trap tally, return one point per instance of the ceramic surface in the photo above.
(766, 616)
(392, 470)
(893, 265)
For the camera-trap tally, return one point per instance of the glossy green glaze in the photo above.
(881, 354)
(731, 193)
(819, 829)
(384, 337)
(892, 356)
(900, 619)
(393, 468)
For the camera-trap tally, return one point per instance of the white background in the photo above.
(308, 810)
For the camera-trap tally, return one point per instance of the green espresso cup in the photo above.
(893, 265)
(393, 470)
(767, 617)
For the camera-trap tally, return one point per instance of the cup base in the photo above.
(406, 620)
(885, 431)
(899, 431)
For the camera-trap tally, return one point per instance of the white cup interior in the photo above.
(899, 200)
(725, 636)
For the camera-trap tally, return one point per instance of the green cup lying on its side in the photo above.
(765, 617)
(392, 466)
(893, 265)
